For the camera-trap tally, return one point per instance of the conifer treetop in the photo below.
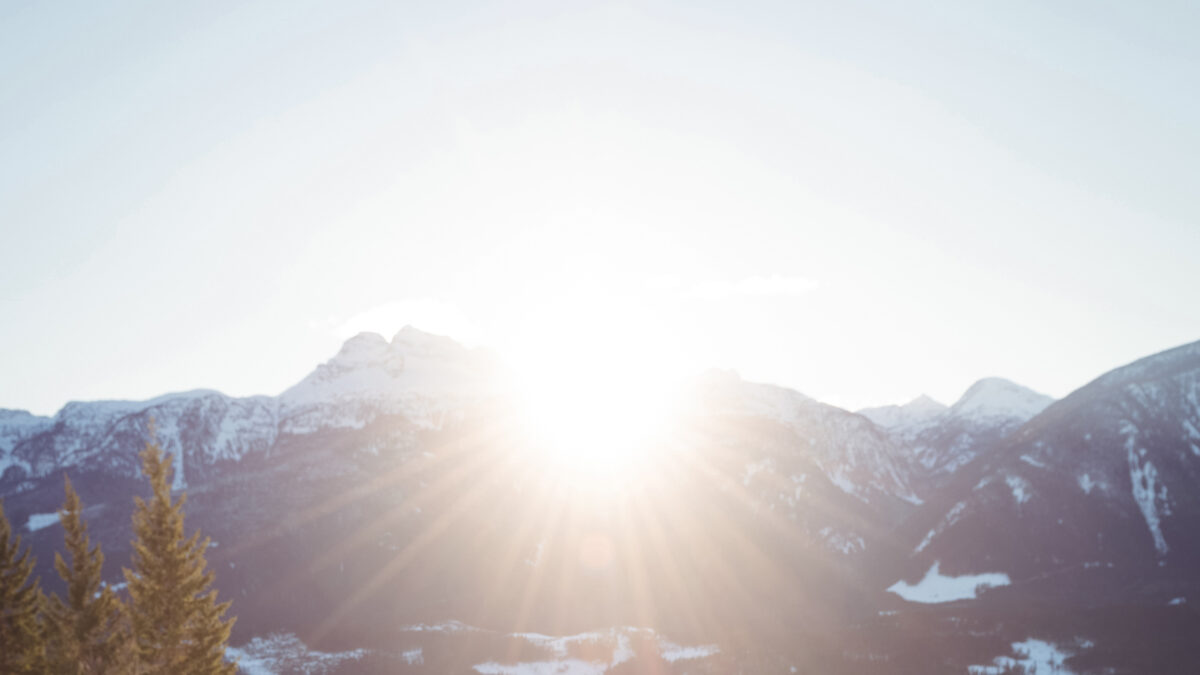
(21, 646)
(86, 632)
(178, 625)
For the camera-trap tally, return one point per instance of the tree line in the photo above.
(171, 624)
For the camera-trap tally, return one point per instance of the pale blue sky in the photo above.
(861, 200)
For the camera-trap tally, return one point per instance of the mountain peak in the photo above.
(924, 404)
(414, 340)
(365, 344)
(410, 333)
(998, 397)
(415, 370)
(917, 411)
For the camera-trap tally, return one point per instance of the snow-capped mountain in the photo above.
(200, 428)
(990, 402)
(418, 377)
(17, 426)
(1102, 482)
(942, 439)
(417, 380)
(851, 452)
(421, 376)
(916, 413)
(388, 487)
(999, 401)
(833, 476)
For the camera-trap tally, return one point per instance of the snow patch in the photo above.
(673, 652)
(1086, 483)
(844, 543)
(115, 588)
(1032, 656)
(1146, 491)
(936, 587)
(565, 663)
(621, 651)
(1020, 488)
(926, 541)
(949, 519)
(444, 627)
(1191, 430)
(281, 653)
(754, 468)
(846, 485)
(567, 667)
(38, 521)
(1032, 462)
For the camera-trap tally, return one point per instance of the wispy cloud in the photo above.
(774, 285)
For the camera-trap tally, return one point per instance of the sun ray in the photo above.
(473, 467)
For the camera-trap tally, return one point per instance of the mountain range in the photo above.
(385, 514)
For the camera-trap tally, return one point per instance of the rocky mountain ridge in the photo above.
(390, 487)
(425, 378)
(421, 376)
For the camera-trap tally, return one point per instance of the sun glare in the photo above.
(598, 422)
(597, 395)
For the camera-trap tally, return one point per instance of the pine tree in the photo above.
(177, 622)
(87, 634)
(21, 644)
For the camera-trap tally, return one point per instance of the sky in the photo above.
(864, 201)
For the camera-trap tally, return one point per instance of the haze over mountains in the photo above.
(386, 511)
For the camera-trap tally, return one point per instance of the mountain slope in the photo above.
(851, 451)
(1102, 482)
(941, 440)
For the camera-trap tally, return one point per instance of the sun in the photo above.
(595, 419)
(597, 390)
